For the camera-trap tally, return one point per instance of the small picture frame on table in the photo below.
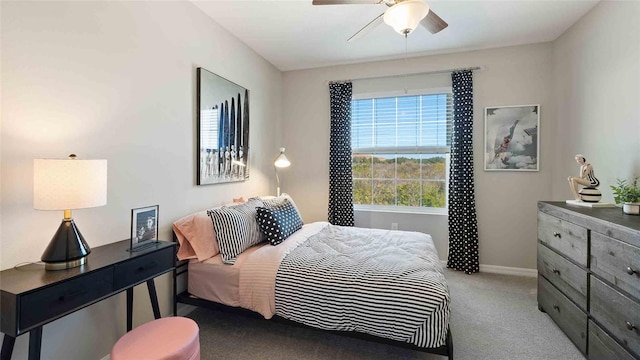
(144, 227)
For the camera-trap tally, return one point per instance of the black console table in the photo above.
(31, 296)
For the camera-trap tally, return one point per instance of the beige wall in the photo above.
(116, 80)
(506, 201)
(597, 84)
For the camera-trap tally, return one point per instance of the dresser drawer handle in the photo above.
(557, 308)
(145, 268)
(630, 326)
(556, 271)
(630, 271)
(71, 295)
(557, 234)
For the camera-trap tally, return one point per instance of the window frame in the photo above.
(446, 150)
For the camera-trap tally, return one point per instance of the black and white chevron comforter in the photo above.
(388, 284)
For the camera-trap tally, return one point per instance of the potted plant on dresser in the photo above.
(627, 194)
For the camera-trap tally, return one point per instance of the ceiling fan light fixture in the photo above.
(405, 16)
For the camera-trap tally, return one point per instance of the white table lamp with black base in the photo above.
(66, 184)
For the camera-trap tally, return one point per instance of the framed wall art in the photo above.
(511, 141)
(223, 130)
(144, 226)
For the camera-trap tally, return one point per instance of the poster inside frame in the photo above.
(144, 226)
(223, 130)
(511, 141)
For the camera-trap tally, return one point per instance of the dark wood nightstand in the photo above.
(31, 296)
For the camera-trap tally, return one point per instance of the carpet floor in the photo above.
(493, 317)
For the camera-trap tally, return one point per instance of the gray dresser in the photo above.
(589, 277)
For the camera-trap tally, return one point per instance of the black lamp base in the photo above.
(67, 248)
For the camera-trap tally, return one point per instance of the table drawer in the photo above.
(56, 301)
(564, 313)
(144, 267)
(567, 238)
(617, 313)
(616, 262)
(569, 278)
(602, 346)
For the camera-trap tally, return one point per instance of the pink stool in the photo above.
(170, 338)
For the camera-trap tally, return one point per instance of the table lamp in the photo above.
(280, 162)
(66, 184)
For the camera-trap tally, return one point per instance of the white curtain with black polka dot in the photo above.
(340, 178)
(463, 224)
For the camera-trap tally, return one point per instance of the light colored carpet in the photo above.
(493, 317)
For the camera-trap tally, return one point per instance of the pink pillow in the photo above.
(196, 237)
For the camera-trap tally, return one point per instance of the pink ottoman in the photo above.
(170, 338)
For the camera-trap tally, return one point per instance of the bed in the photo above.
(382, 285)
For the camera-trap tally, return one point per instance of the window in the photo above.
(400, 151)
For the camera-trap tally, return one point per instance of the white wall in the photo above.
(597, 84)
(116, 80)
(506, 201)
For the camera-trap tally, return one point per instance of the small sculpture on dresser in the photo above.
(587, 178)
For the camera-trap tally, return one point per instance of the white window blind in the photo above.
(401, 123)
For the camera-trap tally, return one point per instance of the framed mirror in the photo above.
(223, 129)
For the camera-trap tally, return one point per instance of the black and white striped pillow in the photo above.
(236, 229)
(278, 222)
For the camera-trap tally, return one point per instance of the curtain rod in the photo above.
(406, 75)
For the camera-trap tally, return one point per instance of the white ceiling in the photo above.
(294, 34)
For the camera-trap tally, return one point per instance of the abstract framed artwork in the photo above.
(511, 141)
(223, 130)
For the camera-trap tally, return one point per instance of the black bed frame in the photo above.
(186, 298)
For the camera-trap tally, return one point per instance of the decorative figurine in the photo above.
(587, 178)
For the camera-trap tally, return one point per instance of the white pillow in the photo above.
(273, 201)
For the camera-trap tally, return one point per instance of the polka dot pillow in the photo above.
(278, 222)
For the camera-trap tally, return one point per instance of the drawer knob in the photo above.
(147, 267)
(557, 308)
(556, 271)
(557, 234)
(72, 295)
(630, 271)
(630, 326)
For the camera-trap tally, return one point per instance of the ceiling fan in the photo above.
(403, 15)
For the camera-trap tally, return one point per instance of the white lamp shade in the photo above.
(281, 161)
(405, 16)
(69, 184)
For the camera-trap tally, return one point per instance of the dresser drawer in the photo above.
(567, 238)
(602, 346)
(617, 262)
(564, 313)
(617, 313)
(144, 267)
(566, 276)
(56, 301)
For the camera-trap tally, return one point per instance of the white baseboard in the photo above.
(504, 270)
(108, 357)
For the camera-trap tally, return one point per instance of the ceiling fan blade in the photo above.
(433, 22)
(342, 2)
(367, 28)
